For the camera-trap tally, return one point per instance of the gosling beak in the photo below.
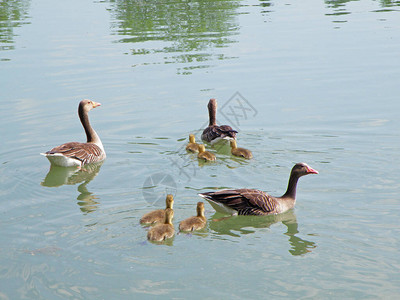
(311, 171)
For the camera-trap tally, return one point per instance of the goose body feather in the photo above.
(75, 154)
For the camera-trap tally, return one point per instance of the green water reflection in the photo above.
(239, 225)
(58, 176)
(189, 31)
(13, 13)
(339, 5)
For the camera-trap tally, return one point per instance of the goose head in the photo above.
(87, 105)
(301, 169)
(212, 104)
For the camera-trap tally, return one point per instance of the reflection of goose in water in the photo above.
(239, 225)
(58, 176)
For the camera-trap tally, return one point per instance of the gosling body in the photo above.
(205, 155)
(192, 146)
(164, 231)
(196, 222)
(158, 216)
(241, 152)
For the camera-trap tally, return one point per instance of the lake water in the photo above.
(312, 81)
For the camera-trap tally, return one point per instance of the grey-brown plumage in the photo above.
(241, 152)
(213, 133)
(75, 153)
(256, 202)
(158, 216)
(163, 231)
(205, 155)
(196, 222)
(192, 146)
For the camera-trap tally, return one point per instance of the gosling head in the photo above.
(192, 138)
(301, 169)
(200, 209)
(169, 201)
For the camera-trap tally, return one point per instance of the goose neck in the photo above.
(291, 188)
(91, 135)
(212, 111)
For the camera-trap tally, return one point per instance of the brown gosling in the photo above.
(205, 155)
(192, 146)
(240, 151)
(196, 222)
(164, 231)
(158, 216)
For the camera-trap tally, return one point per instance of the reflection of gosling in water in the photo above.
(158, 216)
(196, 222)
(192, 146)
(240, 151)
(164, 231)
(205, 155)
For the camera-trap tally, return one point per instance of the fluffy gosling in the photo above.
(158, 216)
(164, 231)
(192, 146)
(196, 222)
(240, 151)
(205, 155)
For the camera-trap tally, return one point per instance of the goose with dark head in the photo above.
(256, 202)
(214, 133)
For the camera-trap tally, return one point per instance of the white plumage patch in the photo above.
(219, 207)
(60, 160)
(220, 139)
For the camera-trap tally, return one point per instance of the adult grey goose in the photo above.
(256, 202)
(75, 153)
(213, 133)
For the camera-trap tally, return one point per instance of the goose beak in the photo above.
(95, 104)
(311, 171)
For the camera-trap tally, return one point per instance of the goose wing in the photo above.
(244, 201)
(213, 132)
(84, 152)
